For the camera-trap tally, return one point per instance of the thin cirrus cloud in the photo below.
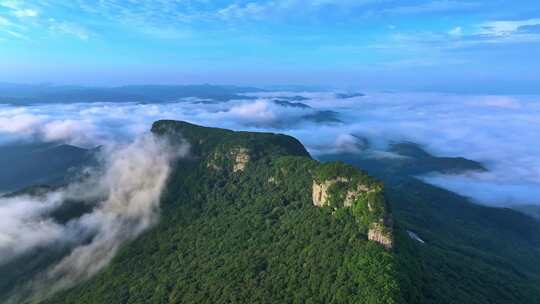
(507, 28)
(301, 41)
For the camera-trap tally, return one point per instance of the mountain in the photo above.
(406, 159)
(532, 210)
(31, 94)
(24, 165)
(287, 103)
(463, 252)
(349, 95)
(252, 218)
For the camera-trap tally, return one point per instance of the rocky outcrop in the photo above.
(320, 190)
(241, 158)
(236, 158)
(381, 233)
(339, 186)
(353, 195)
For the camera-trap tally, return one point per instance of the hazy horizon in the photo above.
(416, 45)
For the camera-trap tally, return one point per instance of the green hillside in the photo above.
(471, 253)
(252, 218)
(239, 224)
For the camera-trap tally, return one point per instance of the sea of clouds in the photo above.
(499, 131)
(124, 193)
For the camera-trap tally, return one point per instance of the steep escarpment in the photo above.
(337, 185)
(239, 224)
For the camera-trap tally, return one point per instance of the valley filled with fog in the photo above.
(496, 131)
(81, 179)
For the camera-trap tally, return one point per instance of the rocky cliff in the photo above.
(337, 185)
(238, 225)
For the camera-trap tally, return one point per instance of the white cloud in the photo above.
(22, 226)
(26, 13)
(125, 194)
(5, 22)
(10, 4)
(19, 121)
(69, 28)
(75, 131)
(133, 181)
(452, 125)
(247, 11)
(456, 32)
(505, 28)
(259, 111)
(432, 7)
(18, 8)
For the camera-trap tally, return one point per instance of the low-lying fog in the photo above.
(499, 131)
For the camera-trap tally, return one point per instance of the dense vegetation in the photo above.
(246, 237)
(252, 235)
(472, 253)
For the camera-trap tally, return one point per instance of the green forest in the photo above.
(239, 224)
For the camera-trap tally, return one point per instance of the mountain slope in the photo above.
(251, 218)
(24, 165)
(470, 253)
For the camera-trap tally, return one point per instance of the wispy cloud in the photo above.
(69, 28)
(456, 31)
(23, 20)
(506, 28)
(25, 13)
(19, 9)
(442, 44)
(433, 7)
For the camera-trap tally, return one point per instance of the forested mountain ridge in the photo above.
(464, 252)
(251, 218)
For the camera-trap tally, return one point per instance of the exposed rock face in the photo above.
(321, 196)
(241, 159)
(367, 199)
(380, 233)
(320, 190)
(352, 195)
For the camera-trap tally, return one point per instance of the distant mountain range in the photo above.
(24, 165)
(30, 94)
(47, 93)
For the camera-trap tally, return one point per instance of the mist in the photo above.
(498, 131)
(125, 191)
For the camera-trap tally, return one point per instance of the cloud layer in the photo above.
(125, 192)
(499, 131)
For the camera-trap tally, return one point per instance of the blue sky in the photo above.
(441, 45)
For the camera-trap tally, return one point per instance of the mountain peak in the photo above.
(335, 185)
(205, 140)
